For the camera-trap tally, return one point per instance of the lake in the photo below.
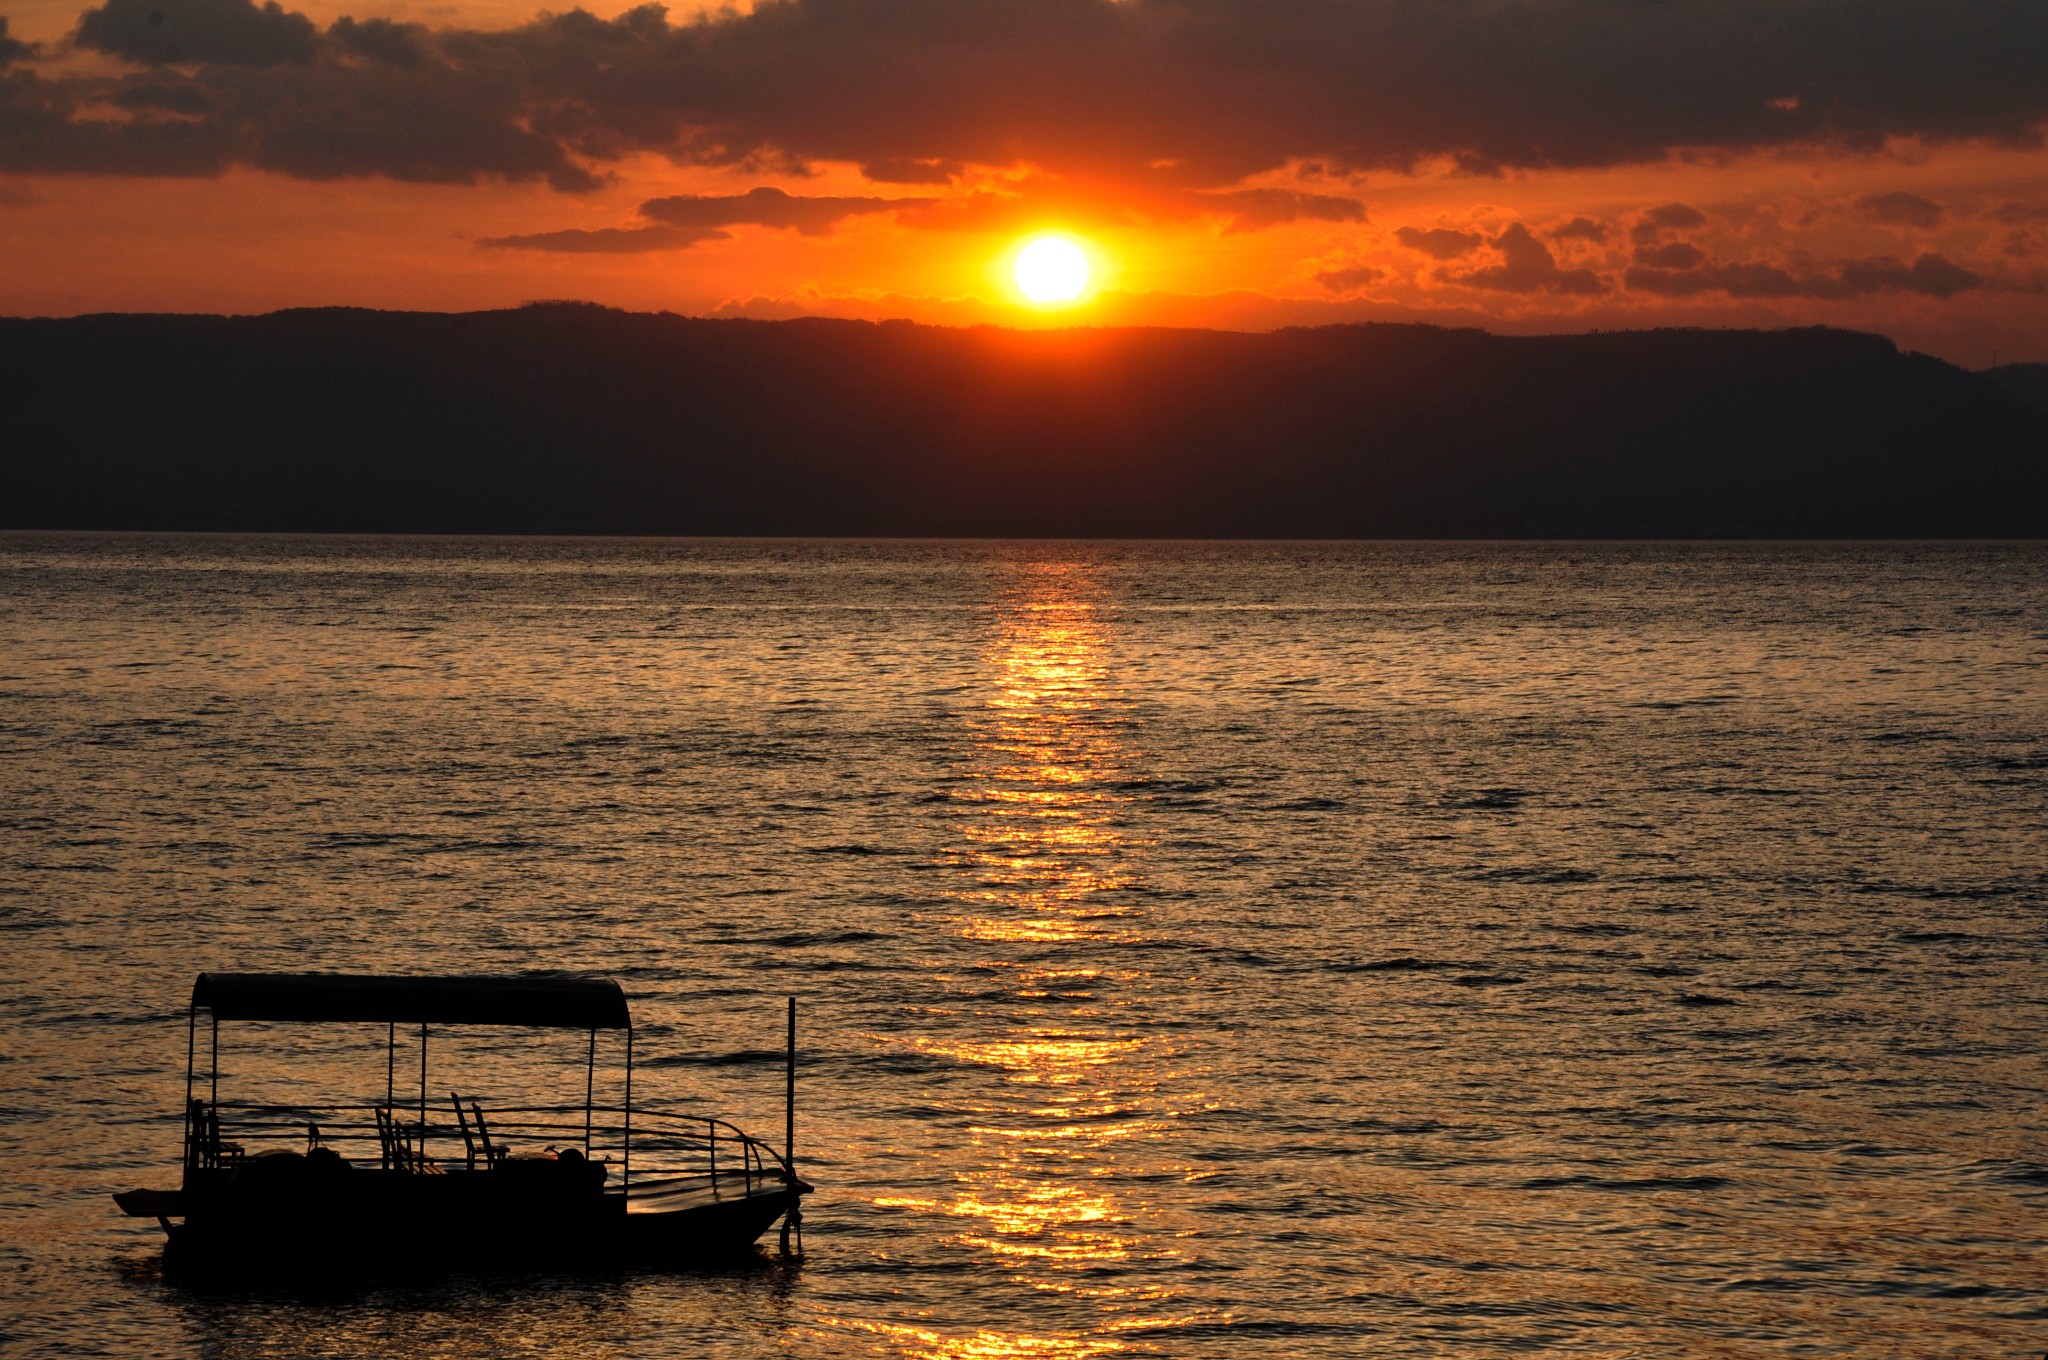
(1391, 949)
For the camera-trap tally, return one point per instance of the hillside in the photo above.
(570, 418)
(2028, 382)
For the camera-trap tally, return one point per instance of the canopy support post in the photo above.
(626, 1178)
(423, 1090)
(213, 1073)
(390, 1060)
(191, 1049)
(589, 1091)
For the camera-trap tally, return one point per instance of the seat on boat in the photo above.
(401, 1153)
(493, 1153)
(208, 1151)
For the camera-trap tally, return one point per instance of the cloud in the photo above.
(1900, 210)
(1528, 267)
(1580, 229)
(901, 171)
(766, 207)
(1752, 280)
(1258, 209)
(13, 49)
(209, 32)
(1351, 278)
(1195, 94)
(2016, 213)
(1672, 255)
(1040, 201)
(166, 98)
(1439, 243)
(1928, 276)
(684, 220)
(1653, 224)
(606, 240)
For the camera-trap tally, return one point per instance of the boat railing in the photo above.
(650, 1150)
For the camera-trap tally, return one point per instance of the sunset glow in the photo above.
(877, 170)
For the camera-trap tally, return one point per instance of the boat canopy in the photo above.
(539, 999)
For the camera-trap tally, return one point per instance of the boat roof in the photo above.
(545, 1000)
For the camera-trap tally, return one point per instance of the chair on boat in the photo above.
(400, 1152)
(494, 1153)
(208, 1150)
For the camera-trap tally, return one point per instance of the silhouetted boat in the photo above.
(316, 1192)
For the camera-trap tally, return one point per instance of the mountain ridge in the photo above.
(576, 418)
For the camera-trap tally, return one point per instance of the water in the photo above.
(1249, 950)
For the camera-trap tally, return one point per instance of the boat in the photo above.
(416, 1185)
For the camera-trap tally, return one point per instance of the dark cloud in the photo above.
(208, 32)
(1527, 266)
(767, 208)
(1900, 209)
(1929, 276)
(1350, 279)
(1580, 229)
(1041, 201)
(382, 40)
(170, 97)
(2015, 213)
(686, 219)
(1194, 94)
(1735, 280)
(359, 107)
(899, 171)
(607, 240)
(1652, 225)
(42, 131)
(1672, 255)
(1439, 243)
(1257, 209)
(13, 49)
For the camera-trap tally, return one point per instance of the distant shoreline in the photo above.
(936, 540)
(576, 420)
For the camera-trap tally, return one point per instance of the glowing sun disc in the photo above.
(1052, 269)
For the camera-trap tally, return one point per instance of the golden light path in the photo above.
(1047, 856)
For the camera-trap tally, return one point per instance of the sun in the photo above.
(1052, 269)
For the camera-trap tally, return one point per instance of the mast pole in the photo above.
(589, 1091)
(793, 1215)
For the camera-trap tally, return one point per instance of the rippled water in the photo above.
(1380, 950)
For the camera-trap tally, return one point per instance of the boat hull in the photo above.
(376, 1224)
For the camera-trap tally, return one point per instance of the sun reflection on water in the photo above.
(1048, 863)
(1047, 778)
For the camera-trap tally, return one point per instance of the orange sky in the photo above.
(208, 155)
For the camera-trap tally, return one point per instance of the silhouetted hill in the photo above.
(579, 419)
(2028, 382)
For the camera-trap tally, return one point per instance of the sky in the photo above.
(1522, 165)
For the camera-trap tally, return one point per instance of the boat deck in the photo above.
(669, 1196)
